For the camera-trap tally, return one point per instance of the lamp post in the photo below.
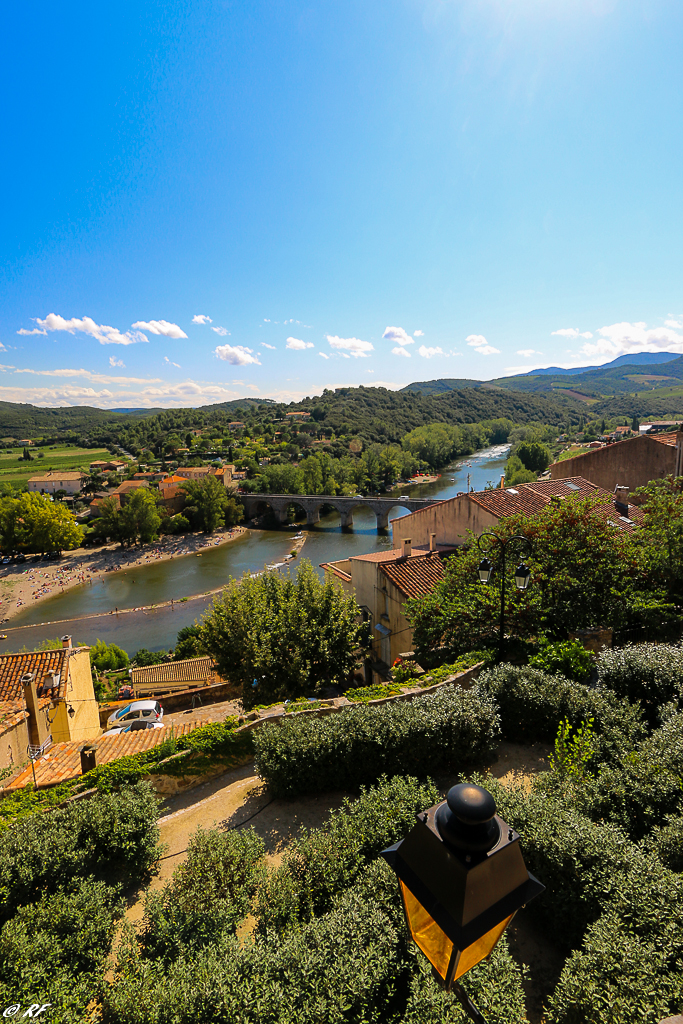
(462, 879)
(486, 567)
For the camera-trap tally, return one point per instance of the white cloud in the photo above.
(236, 355)
(479, 343)
(264, 344)
(201, 318)
(427, 353)
(390, 385)
(100, 332)
(324, 355)
(222, 331)
(99, 378)
(400, 351)
(418, 334)
(36, 330)
(162, 327)
(113, 361)
(171, 363)
(298, 345)
(676, 324)
(266, 321)
(357, 348)
(571, 332)
(398, 335)
(619, 339)
(528, 352)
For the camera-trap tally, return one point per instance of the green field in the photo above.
(14, 470)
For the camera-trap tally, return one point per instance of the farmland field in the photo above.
(14, 470)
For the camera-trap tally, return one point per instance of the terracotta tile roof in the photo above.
(63, 760)
(189, 671)
(14, 666)
(510, 501)
(581, 488)
(56, 475)
(416, 576)
(668, 438)
(336, 571)
(130, 485)
(393, 554)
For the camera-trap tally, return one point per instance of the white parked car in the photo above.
(133, 727)
(138, 711)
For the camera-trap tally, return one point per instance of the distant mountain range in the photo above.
(632, 359)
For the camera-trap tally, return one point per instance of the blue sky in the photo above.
(214, 199)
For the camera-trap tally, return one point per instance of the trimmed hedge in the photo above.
(322, 862)
(533, 703)
(210, 893)
(111, 836)
(651, 674)
(432, 733)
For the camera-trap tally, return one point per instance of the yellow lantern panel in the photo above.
(427, 935)
(480, 949)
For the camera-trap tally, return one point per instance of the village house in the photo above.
(59, 480)
(45, 697)
(382, 582)
(631, 463)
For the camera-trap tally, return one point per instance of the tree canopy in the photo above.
(282, 637)
(33, 522)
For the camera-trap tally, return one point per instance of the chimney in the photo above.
(502, 481)
(38, 728)
(621, 495)
(432, 542)
(66, 641)
(407, 545)
(88, 754)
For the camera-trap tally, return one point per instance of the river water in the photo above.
(86, 612)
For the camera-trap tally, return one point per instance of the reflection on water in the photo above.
(162, 581)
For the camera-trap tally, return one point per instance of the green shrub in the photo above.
(666, 842)
(569, 657)
(111, 836)
(322, 862)
(143, 657)
(107, 657)
(210, 893)
(434, 732)
(363, 694)
(533, 703)
(54, 950)
(649, 673)
(461, 664)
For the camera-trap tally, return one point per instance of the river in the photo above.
(84, 612)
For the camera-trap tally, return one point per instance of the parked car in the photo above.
(21, 557)
(139, 710)
(133, 727)
(7, 559)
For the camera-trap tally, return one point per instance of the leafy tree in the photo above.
(36, 523)
(188, 643)
(26, 455)
(282, 637)
(212, 502)
(139, 517)
(663, 533)
(533, 455)
(584, 572)
(143, 657)
(516, 473)
(108, 523)
(107, 657)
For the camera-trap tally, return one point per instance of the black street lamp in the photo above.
(462, 879)
(522, 573)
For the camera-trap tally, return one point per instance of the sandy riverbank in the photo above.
(28, 583)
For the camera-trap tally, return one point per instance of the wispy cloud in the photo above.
(480, 345)
(236, 355)
(620, 339)
(298, 345)
(201, 318)
(418, 334)
(400, 351)
(222, 331)
(397, 335)
(264, 344)
(36, 330)
(100, 332)
(427, 353)
(171, 363)
(571, 332)
(162, 327)
(528, 352)
(98, 378)
(113, 361)
(354, 346)
(324, 355)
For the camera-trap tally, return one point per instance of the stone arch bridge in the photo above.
(257, 504)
